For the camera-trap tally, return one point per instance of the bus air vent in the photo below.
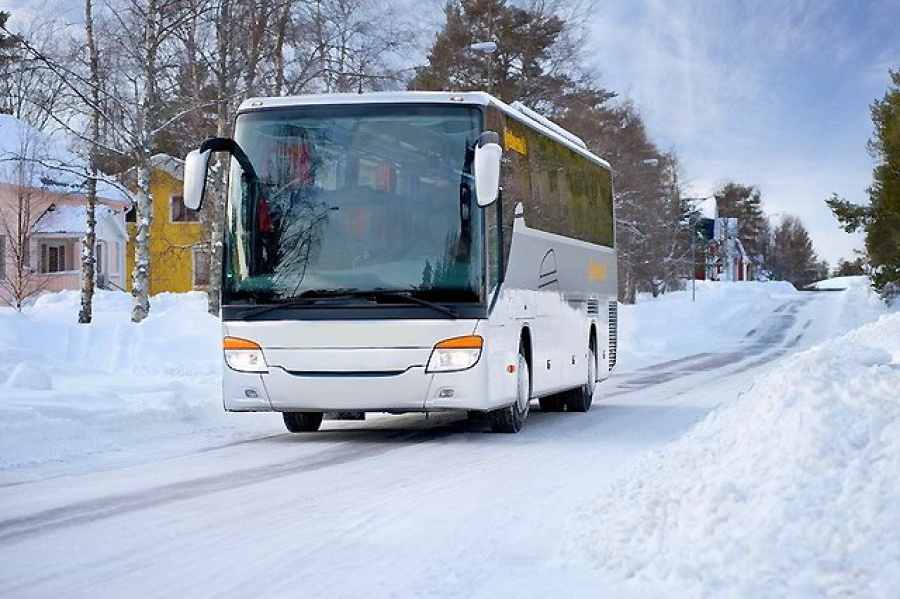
(613, 332)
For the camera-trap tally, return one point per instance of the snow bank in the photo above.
(179, 336)
(791, 490)
(840, 283)
(68, 389)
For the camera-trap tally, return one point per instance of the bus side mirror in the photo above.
(487, 169)
(195, 165)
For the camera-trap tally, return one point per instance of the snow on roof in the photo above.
(68, 219)
(707, 207)
(168, 164)
(30, 157)
(174, 167)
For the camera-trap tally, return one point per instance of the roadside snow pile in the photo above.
(178, 337)
(68, 389)
(791, 490)
(840, 283)
(26, 376)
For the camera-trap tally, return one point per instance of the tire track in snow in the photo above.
(92, 510)
(766, 342)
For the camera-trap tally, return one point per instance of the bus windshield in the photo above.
(354, 199)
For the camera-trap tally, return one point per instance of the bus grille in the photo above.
(593, 307)
(613, 332)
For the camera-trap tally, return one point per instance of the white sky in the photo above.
(763, 92)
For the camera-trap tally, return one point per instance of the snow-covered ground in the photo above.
(791, 490)
(787, 488)
(74, 398)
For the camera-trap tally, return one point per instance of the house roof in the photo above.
(69, 219)
(30, 157)
(707, 207)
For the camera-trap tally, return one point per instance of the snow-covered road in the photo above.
(396, 506)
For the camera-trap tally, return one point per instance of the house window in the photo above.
(199, 267)
(53, 257)
(178, 212)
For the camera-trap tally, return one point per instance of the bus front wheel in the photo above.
(511, 418)
(302, 422)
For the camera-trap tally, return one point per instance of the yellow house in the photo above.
(178, 254)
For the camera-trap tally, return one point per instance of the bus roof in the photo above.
(516, 111)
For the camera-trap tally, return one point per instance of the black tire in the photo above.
(510, 419)
(302, 422)
(580, 399)
(553, 403)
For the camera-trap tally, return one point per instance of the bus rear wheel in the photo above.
(302, 422)
(511, 418)
(580, 399)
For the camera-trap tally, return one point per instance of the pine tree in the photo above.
(8, 41)
(744, 203)
(846, 268)
(881, 218)
(792, 257)
(530, 61)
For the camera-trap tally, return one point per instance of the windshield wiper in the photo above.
(307, 298)
(313, 297)
(408, 296)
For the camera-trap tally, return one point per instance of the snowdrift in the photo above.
(792, 490)
(68, 389)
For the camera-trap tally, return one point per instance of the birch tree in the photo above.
(137, 110)
(88, 259)
(125, 98)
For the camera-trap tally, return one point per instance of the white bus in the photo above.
(411, 252)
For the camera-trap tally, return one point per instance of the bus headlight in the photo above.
(458, 353)
(244, 356)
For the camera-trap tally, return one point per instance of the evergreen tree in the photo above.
(8, 41)
(846, 268)
(744, 203)
(792, 257)
(530, 61)
(881, 218)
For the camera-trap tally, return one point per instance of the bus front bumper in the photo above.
(413, 390)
